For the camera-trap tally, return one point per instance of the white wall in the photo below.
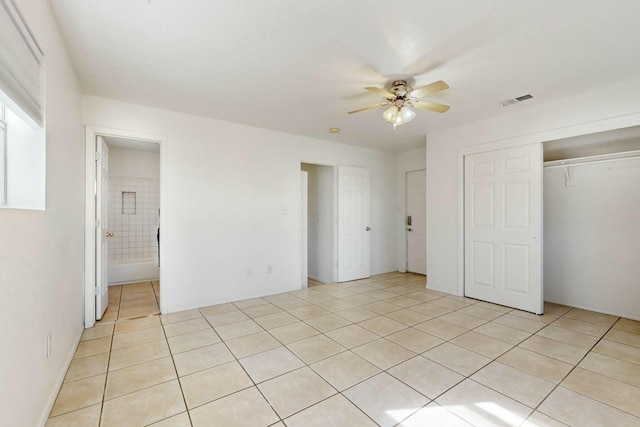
(594, 111)
(320, 219)
(233, 196)
(41, 255)
(134, 163)
(591, 237)
(405, 162)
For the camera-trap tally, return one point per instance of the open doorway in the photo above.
(123, 206)
(320, 259)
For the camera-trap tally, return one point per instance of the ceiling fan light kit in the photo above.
(401, 97)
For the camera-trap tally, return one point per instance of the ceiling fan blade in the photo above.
(426, 105)
(382, 92)
(382, 104)
(429, 89)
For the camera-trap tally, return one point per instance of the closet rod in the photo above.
(605, 158)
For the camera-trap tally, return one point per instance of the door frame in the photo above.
(91, 133)
(334, 221)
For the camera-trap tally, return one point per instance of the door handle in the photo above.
(108, 234)
(368, 228)
(409, 229)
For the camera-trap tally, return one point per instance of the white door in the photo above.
(304, 261)
(353, 223)
(503, 227)
(416, 221)
(102, 230)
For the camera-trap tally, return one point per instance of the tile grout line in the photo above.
(576, 366)
(173, 362)
(106, 377)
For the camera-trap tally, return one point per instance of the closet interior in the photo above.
(592, 221)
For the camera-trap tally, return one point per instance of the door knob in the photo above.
(108, 234)
(368, 228)
(409, 229)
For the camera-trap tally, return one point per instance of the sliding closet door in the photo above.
(503, 227)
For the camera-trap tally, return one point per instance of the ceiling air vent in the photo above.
(516, 100)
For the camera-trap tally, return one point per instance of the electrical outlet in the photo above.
(249, 271)
(269, 269)
(49, 344)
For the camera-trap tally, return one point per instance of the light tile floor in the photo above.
(381, 351)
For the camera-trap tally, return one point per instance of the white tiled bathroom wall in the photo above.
(135, 223)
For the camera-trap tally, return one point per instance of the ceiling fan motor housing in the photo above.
(402, 92)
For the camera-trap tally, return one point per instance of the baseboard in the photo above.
(58, 384)
(596, 309)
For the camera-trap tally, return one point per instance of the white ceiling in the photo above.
(299, 66)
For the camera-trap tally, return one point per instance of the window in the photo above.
(22, 134)
(3, 157)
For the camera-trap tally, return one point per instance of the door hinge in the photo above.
(96, 291)
(97, 155)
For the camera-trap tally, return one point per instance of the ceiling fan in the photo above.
(401, 97)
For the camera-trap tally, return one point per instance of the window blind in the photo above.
(20, 66)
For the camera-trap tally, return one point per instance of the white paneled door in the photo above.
(416, 221)
(353, 224)
(503, 227)
(102, 230)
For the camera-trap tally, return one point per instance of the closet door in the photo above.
(503, 227)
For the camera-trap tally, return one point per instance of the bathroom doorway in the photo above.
(123, 205)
